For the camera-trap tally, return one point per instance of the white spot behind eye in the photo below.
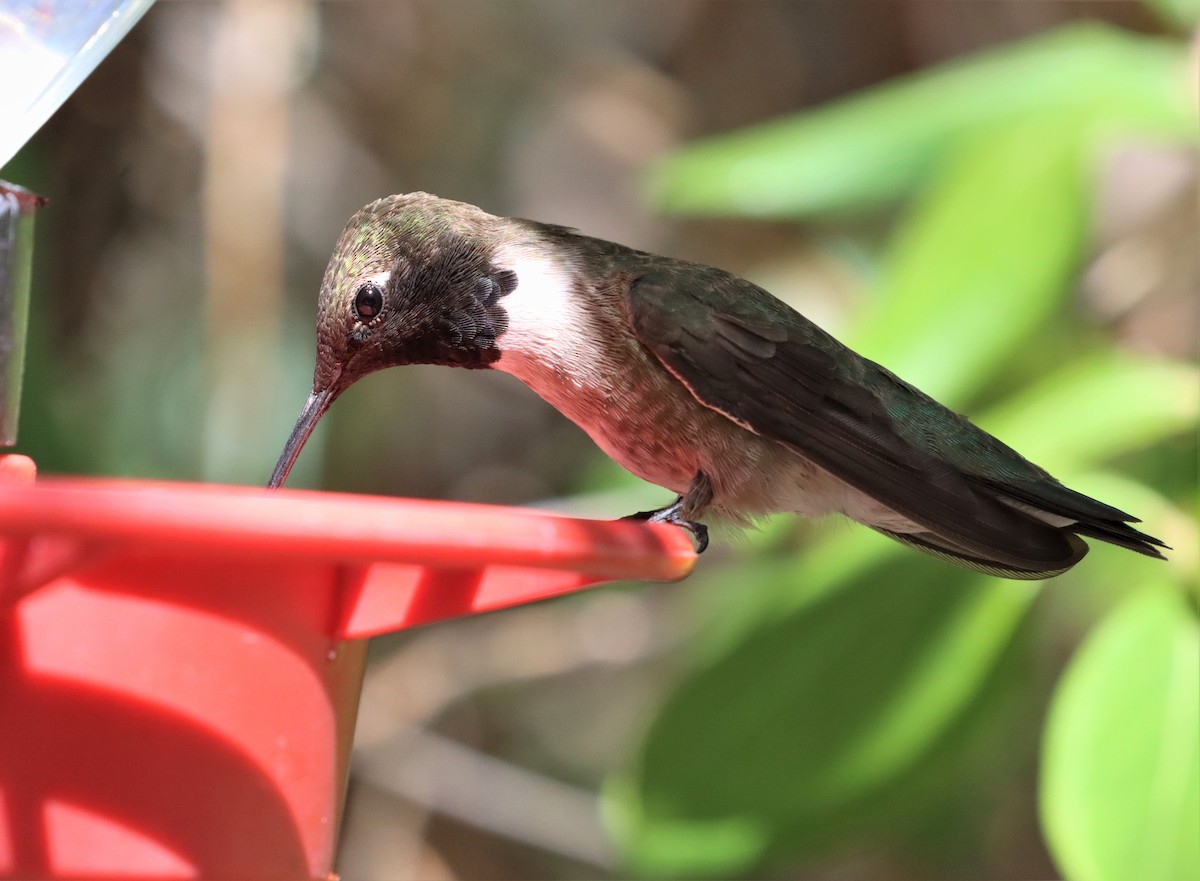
(380, 278)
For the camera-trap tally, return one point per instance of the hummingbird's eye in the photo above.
(368, 302)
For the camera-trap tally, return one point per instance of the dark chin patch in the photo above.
(452, 304)
(434, 349)
(472, 359)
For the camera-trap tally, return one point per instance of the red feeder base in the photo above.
(180, 664)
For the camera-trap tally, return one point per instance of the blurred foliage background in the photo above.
(996, 200)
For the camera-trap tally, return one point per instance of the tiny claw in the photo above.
(699, 532)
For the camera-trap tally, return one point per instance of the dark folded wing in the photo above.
(749, 356)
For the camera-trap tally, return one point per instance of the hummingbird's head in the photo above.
(411, 281)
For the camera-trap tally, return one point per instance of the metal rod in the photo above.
(17, 206)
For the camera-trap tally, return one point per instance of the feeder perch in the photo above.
(180, 664)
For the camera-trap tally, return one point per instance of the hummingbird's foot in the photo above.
(670, 514)
(698, 496)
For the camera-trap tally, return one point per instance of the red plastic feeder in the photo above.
(180, 664)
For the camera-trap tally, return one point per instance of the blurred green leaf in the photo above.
(1185, 14)
(982, 260)
(774, 746)
(872, 148)
(1120, 790)
(1105, 404)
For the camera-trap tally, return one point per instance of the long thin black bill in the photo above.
(316, 405)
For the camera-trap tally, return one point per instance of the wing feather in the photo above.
(749, 356)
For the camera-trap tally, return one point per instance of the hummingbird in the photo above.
(691, 378)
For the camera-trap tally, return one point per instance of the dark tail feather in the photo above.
(1092, 518)
(938, 547)
(1121, 534)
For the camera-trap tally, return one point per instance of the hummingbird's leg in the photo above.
(697, 498)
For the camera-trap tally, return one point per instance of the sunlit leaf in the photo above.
(1104, 405)
(982, 260)
(1120, 789)
(1185, 14)
(764, 749)
(873, 147)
